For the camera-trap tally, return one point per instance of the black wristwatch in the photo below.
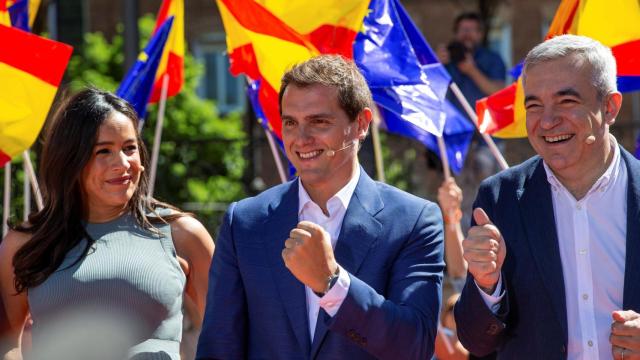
(331, 280)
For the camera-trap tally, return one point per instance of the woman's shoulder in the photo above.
(13, 241)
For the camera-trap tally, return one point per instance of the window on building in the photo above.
(217, 83)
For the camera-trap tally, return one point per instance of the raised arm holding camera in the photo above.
(477, 70)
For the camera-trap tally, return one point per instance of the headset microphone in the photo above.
(590, 139)
(332, 153)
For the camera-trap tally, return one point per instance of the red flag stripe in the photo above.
(331, 39)
(33, 54)
(175, 69)
(268, 98)
(4, 158)
(628, 61)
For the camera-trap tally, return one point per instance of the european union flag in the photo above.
(137, 84)
(408, 82)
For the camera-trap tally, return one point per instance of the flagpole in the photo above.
(158, 133)
(377, 148)
(6, 204)
(26, 193)
(276, 156)
(447, 173)
(443, 157)
(31, 175)
(472, 114)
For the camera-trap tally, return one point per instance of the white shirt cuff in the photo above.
(332, 300)
(493, 300)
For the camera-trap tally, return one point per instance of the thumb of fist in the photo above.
(481, 217)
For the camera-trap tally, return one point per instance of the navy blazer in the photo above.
(532, 320)
(391, 244)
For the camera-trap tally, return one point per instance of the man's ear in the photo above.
(612, 105)
(364, 120)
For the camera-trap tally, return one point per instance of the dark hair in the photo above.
(470, 15)
(335, 71)
(68, 147)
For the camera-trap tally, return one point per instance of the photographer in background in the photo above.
(477, 70)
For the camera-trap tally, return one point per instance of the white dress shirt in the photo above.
(592, 242)
(337, 207)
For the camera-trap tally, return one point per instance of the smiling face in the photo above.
(567, 122)
(111, 176)
(314, 125)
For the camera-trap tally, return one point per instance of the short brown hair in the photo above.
(335, 71)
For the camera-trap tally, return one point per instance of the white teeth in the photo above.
(553, 139)
(311, 154)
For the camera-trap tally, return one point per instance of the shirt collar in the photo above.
(603, 182)
(343, 195)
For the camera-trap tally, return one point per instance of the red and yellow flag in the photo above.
(612, 22)
(172, 61)
(266, 37)
(31, 68)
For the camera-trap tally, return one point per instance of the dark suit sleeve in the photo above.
(223, 334)
(480, 330)
(403, 325)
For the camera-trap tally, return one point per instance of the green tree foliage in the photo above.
(201, 163)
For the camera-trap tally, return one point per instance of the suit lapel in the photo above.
(359, 232)
(282, 218)
(540, 228)
(631, 295)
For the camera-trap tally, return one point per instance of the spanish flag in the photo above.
(172, 61)
(612, 22)
(266, 37)
(31, 68)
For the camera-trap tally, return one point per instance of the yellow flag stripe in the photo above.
(612, 22)
(305, 18)
(24, 104)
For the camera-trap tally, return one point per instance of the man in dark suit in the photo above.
(554, 252)
(331, 265)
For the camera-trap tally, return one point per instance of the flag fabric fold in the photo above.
(408, 83)
(172, 60)
(137, 85)
(31, 68)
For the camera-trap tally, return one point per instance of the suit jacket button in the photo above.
(563, 349)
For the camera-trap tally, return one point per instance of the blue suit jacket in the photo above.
(532, 320)
(391, 246)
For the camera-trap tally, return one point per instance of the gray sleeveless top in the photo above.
(123, 300)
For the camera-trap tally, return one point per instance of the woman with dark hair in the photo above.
(103, 267)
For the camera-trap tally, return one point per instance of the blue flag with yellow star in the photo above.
(408, 82)
(137, 84)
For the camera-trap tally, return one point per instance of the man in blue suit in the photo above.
(554, 255)
(331, 265)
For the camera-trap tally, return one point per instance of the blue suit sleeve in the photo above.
(223, 334)
(403, 325)
(480, 330)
